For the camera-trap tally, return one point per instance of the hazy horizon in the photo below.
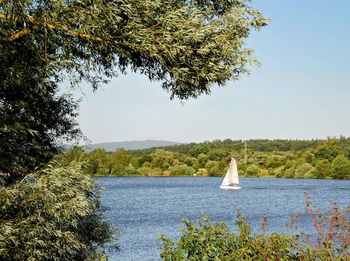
(188, 142)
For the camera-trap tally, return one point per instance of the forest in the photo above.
(321, 159)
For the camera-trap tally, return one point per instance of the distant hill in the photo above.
(130, 145)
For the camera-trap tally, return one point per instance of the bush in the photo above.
(278, 172)
(290, 172)
(302, 170)
(208, 241)
(333, 232)
(323, 169)
(202, 173)
(54, 214)
(341, 167)
(253, 170)
(182, 170)
(213, 168)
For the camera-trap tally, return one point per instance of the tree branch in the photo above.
(26, 31)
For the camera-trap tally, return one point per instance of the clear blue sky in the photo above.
(301, 90)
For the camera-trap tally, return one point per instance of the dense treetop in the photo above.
(187, 45)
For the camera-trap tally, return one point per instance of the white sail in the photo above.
(231, 180)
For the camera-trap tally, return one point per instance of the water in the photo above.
(144, 207)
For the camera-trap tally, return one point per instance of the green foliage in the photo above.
(54, 214)
(341, 167)
(182, 170)
(186, 45)
(98, 161)
(328, 150)
(162, 159)
(33, 117)
(308, 157)
(207, 241)
(202, 160)
(76, 154)
(252, 170)
(179, 160)
(214, 168)
(204, 240)
(198, 149)
(217, 154)
(275, 161)
(278, 172)
(322, 169)
(303, 170)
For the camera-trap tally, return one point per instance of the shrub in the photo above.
(202, 173)
(302, 170)
(208, 241)
(278, 172)
(290, 172)
(253, 170)
(323, 169)
(341, 167)
(54, 214)
(213, 169)
(333, 232)
(182, 170)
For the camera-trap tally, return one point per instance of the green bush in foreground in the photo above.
(53, 215)
(207, 241)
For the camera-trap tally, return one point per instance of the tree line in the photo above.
(329, 158)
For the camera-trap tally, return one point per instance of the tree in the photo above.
(328, 150)
(163, 159)
(212, 168)
(253, 170)
(75, 154)
(182, 170)
(302, 169)
(202, 160)
(99, 161)
(54, 214)
(341, 167)
(323, 169)
(33, 119)
(198, 149)
(186, 45)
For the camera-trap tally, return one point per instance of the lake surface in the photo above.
(144, 207)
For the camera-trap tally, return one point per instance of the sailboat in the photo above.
(231, 180)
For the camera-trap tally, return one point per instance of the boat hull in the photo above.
(230, 187)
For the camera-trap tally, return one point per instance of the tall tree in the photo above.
(341, 167)
(33, 117)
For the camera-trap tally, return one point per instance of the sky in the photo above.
(300, 91)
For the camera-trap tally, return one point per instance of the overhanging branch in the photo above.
(73, 33)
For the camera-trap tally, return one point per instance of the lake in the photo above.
(144, 207)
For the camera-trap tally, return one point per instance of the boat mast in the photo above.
(245, 152)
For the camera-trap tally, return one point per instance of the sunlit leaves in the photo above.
(52, 215)
(186, 45)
